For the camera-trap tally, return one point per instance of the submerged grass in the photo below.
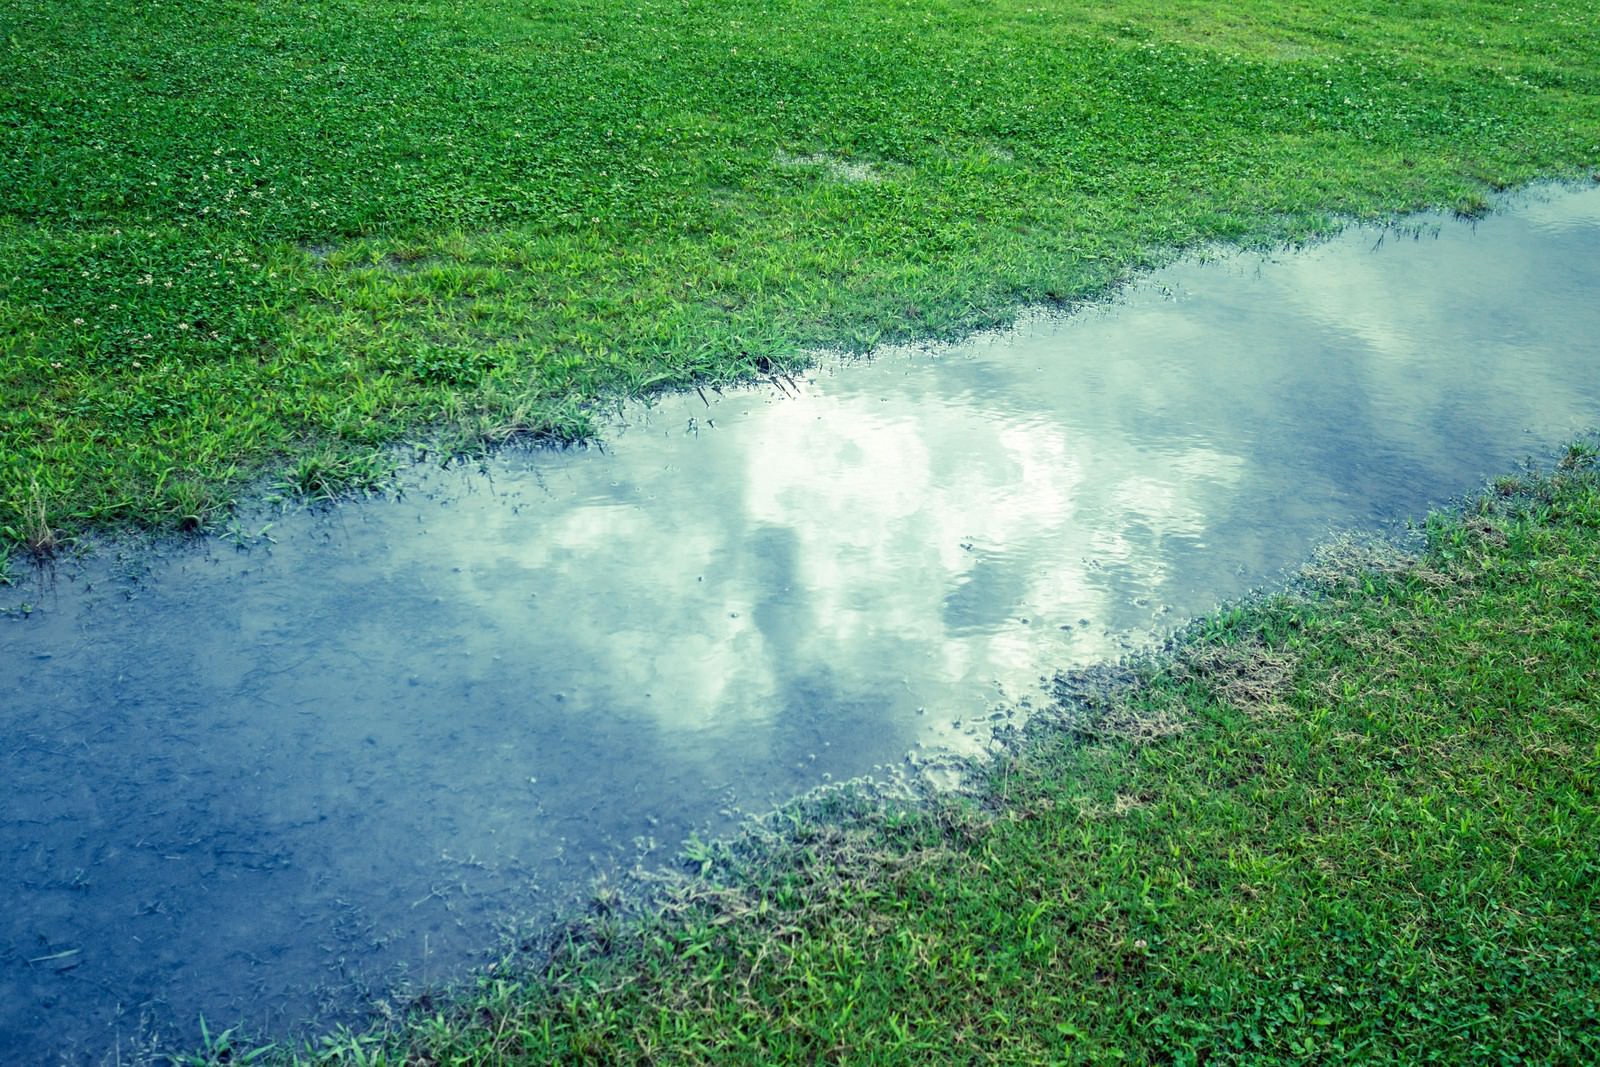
(1357, 822)
(247, 240)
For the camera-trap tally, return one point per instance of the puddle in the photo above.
(253, 784)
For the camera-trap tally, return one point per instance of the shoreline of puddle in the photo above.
(1027, 633)
(422, 468)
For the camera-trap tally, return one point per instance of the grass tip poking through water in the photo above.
(1580, 455)
(1471, 206)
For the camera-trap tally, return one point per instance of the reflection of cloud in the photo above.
(917, 508)
(888, 542)
(634, 597)
(1559, 210)
(1436, 320)
(890, 531)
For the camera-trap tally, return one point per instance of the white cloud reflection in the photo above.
(886, 544)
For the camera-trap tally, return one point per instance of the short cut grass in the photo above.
(267, 240)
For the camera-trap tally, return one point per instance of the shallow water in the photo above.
(251, 784)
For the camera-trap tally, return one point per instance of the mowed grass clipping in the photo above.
(269, 238)
(1356, 823)
(1351, 824)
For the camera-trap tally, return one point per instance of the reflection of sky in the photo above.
(902, 520)
(890, 531)
(893, 548)
(1434, 313)
(525, 671)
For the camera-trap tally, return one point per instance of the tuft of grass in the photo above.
(327, 473)
(220, 1049)
(307, 235)
(1354, 822)
(32, 530)
(1471, 206)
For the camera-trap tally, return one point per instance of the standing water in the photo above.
(251, 784)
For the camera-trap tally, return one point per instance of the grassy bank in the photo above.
(266, 239)
(1356, 822)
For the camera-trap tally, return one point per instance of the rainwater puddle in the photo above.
(253, 784)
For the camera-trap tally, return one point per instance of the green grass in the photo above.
(262, 241)
(1357, 822)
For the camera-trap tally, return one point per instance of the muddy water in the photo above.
(255, 784)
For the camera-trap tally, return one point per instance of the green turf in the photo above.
(263, 240)
(1356, 823)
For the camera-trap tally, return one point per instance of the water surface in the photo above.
(254, 784)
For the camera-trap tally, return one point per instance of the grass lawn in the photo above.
(1357, 823)
(265, 240)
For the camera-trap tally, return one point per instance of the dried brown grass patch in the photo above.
(1247, 675)
(1112, 703)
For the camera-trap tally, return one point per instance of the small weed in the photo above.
(242, 538)
(698, 854)
(222, 1050)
